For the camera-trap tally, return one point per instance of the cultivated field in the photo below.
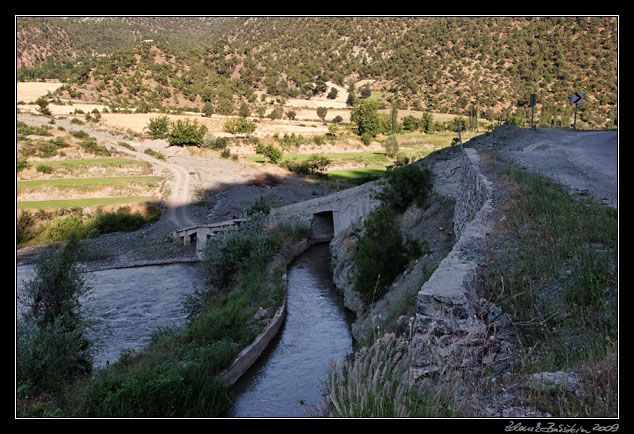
(70, 163)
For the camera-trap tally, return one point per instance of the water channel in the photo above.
(285, 382)
(128, 305)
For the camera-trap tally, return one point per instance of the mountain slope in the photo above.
(444, 64)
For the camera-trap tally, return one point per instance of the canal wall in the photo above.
(453, 327)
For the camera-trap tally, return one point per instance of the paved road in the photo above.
(583, 160)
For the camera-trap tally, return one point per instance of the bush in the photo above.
(120, 221)
(239, 126)
(314, 164)
(233, 251)
(186, 133)
(380, 254)
(50, 355)
(51, 342)
(273, 154)
(189, 390)
(158, 127)
(405, 184)
(391, 146)
(63, 227)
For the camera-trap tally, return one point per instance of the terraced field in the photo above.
(68, 178)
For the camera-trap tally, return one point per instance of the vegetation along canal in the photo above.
(126, 306)
(285, 382)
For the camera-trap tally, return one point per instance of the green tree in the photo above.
(404, 185)
(158, 127)
(273, 154)
(186, 133)
(380, 255)
(243, 111)
(410, 123)
(322, 112)
(391, 146)
(239, 126)
(394, 127)
(42, 104)
(208, 109)
(366, 116)
(426, 122)
(51, 337)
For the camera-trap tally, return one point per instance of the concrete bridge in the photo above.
(327, 216)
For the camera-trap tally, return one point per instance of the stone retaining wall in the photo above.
(454, 328)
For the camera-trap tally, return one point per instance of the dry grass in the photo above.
(373, 383)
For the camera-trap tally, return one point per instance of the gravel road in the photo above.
(584, 161)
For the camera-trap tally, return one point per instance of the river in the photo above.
(126, 306)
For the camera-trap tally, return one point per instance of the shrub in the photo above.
(50, 355)
(155, 154)
(51, 343)
(237, 250)
(79, 134)
(405, 184)
(186, 133)
(189, 390)
(391, 146)
(90, 145)
(380, 254)
(239, 125)
(63, 227)
(314, 164)
(273, 154)
(158, 127)
(44, 168)
(120, 221)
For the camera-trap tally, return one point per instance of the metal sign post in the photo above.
(532, 103)
(577, 98)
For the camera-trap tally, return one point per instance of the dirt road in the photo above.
(585, 161)
(229, 185)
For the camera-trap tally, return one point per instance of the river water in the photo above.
(126, 306)
(285, 382)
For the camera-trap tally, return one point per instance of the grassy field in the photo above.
(374, 163)
(91, 162)
(81, 203)
(358, 173)
(88, 181)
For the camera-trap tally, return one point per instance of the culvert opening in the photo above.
(322, 226)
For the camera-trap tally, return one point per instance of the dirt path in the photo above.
(231, 187)
(177, 212)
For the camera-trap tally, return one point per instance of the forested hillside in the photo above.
(440, 64)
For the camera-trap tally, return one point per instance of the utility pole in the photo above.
(459, 136)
